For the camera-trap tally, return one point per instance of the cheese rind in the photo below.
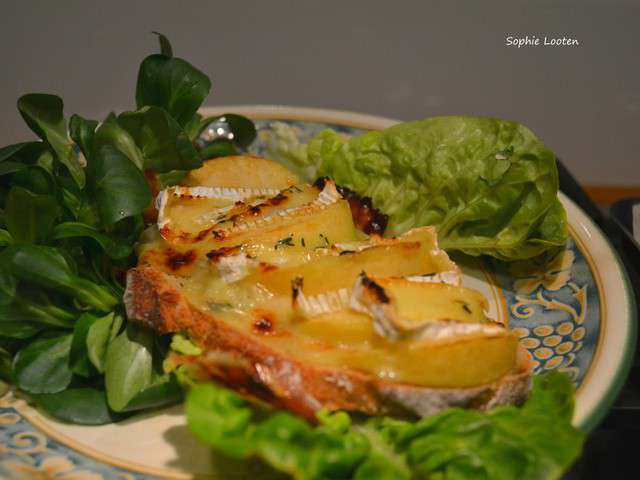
(213, 200)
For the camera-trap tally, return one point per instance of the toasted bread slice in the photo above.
(246, 362)
(265, 287)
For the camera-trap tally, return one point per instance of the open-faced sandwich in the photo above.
(290, 300)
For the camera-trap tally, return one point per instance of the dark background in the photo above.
(405, 60)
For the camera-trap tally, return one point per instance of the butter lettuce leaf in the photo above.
(532, 442)
(490, 186)
(528, 443)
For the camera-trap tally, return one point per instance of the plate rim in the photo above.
(614, 383)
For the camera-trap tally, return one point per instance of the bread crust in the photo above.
(246, 364)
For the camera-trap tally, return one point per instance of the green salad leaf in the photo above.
(79, 360)
(490, 186)
(181, 344)
(536, 441)
(161, 140)
(29, 216)
(27, 153)
(113, 247)
(5, 238)
(161, 390)
(8, 152)
(23, 312)
(43, 366)
(220, 148)
(35, 178)
(128, 365)
(165, 45)
(132, 380)
(100, 334)
(119, 187)
(43, 114)
(17, 322)
(172, 84)
(48, 268)
(83, 405)
(9, 167)
(81, 131)
(111, 133)
(6, 371)
(71, 211)
(7, 287)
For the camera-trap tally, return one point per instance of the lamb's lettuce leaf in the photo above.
(48, 268)
(43, 113)
(8, 152)
(81, 131)
(29, 216)
(71, 210)
(536, 441)
(161, 140)
(111, 133)
(173, 84)
(82, 405)
(131, 379)
(119, 188)
(490, 186)
(43, 365)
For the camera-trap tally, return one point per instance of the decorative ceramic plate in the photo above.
(575, 314)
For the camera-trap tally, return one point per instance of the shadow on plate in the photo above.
(188, 451)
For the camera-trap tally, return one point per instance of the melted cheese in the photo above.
(241, 270)
(185, 212)
(404, 308)
(241, 171)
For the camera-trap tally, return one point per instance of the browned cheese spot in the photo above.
(215, 255)
(255, 210)
(202, 234)
(365, 217)
(264, 323)
(266, 267)
(296, 286)
(374, 288)
(278, 199)
(177, 260)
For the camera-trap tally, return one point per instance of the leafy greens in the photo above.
(71, 208)
(533, 442)
(490, 186)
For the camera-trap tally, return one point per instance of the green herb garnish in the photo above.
(287, 241)
(324, 238)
